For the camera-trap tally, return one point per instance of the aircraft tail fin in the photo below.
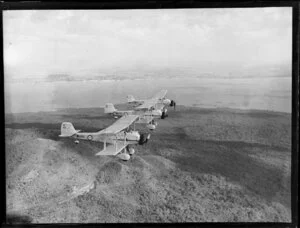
(130, 98)
(67, 129)
(109, 108)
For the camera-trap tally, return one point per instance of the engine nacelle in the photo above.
(130, 150)
(164, 114)
(133, 136)
(144, 138)
(166, 102)
(124, 156)
(151, 126)
(156, 112)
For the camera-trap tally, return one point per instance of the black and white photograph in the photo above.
(179, 115)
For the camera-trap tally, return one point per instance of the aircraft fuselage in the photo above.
(131, 137)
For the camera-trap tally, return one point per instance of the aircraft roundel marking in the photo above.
(90, 137)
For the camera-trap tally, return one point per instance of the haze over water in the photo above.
(272, 93)
(238, 57)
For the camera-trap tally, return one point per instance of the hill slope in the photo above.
(200, 165)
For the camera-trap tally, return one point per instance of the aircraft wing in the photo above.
(113, 149)
(147, 104)
(160, 95)
(160, 106)
(122, 123)
(145, 120)
(153, 101)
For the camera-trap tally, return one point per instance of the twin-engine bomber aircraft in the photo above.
(148, 110)
(118, 135)
(145, 116)
(157, 100)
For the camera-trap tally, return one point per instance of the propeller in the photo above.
(130, 150)
(164, 114)
(148, 136)
(172, 103)
(144, 138)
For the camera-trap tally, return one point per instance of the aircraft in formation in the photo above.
(148, 110)
(159, 97)
(145, 117)
(121, 135)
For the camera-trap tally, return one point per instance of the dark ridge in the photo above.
(242, 145)
(18, 219)
(261, 114)
(194, 110)
(226, 159)
(178, 134)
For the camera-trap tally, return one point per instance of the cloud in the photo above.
(70, 40)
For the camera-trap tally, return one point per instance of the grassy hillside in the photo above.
(200, 165)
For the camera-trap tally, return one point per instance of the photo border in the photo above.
(108, 5)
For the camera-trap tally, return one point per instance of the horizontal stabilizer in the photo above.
(113, 149)
(69, 135)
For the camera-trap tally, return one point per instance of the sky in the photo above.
(42, 42)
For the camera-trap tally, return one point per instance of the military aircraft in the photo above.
(145, 116)
(157, 102)
(110, 109)
(158, 98)
(119, 136)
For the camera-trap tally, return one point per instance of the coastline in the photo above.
(184, 107)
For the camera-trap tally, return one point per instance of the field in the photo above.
(200, 165)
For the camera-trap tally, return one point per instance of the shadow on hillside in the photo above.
(241, 144)
(263, 115)
(231, 160)
(17, 219)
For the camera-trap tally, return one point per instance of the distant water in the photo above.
(244, 93)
